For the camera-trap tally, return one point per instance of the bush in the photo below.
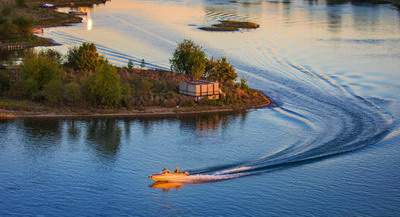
(24, 25)
(7, 29)
(130, 64)
(20, 3)
(28, 88)
(72, 92)
(142, 64)
(6, 11)
(53, 91)
(37, 71)
(4, 81)
(52, 54)
(243, 84)
(189, 59)
(220, 70)
(84, 58)
(126, 95)
(104, 87)
(142, 86)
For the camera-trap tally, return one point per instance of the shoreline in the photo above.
(123, 113)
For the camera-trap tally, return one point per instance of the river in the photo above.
(328, 147)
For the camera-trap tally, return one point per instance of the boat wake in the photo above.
(337, 119)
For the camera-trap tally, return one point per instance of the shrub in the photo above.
(72, 92)
(37, 71)
(20, 3)
(84, 58)
(104, 87)
(126, 95)
(52, 54)
(29, 88)
(7, 29)
(243, 84)
(189, 59)
(142, 86)
(53, 91)
(6, 11)
(130, 64)
(4, 81)
(24, 25)
(220, 70)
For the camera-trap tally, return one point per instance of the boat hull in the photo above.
(169, 178)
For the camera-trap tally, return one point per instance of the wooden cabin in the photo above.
(200, 89)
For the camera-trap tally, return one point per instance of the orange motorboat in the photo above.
(168, 176)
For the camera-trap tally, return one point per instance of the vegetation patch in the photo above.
(83, 81)
(230, 26)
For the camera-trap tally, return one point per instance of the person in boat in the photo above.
(177, 170)
(165, 171)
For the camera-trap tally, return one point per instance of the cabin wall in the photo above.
(209, 90)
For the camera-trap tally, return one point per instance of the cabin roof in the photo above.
(200, 82)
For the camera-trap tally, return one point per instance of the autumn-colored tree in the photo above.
(84, 58)
(220, 70)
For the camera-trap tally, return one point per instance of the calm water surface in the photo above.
(329, 147)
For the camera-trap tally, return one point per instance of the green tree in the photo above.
(243, 84)
(142, 86)
(142, 64)
(84, 58)
(104, 87)
(130, 64)
(53, 54)
(220, 70)
(189, 59)
(4, 81)
(37, 71)
(20, 3)
(53, 91)
(7, 29)
(72, 92)
(126, 95)
(6, 11)
(24, 25)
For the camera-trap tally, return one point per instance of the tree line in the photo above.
(84, 77)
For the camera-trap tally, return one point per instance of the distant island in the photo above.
(230, 26)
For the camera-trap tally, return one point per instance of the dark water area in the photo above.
(329, 147)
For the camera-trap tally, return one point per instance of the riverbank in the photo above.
(13, 109)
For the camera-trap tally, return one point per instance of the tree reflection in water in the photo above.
(104, 135)
(206, 123)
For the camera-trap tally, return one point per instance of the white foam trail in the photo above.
(209, 178)
(234, 170)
